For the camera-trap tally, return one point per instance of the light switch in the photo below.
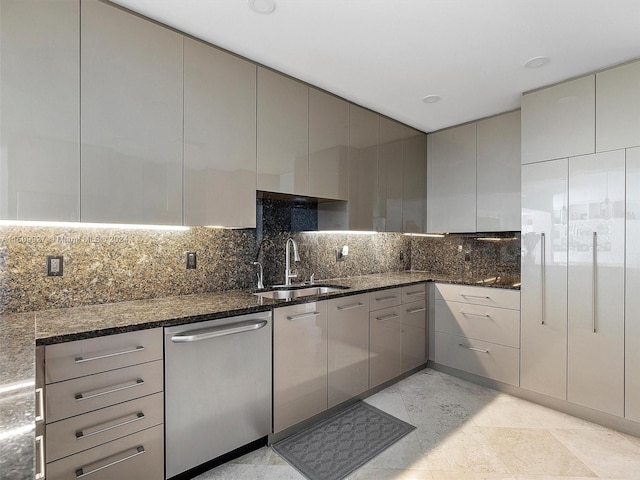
(191, 260)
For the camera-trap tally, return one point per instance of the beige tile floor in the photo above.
(468, 432)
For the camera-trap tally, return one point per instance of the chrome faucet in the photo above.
(259, 274)
(296, 258)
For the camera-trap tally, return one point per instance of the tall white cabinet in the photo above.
(543, 350)
(596, 281)
(632, 287)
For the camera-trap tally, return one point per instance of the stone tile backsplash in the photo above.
(104, 265)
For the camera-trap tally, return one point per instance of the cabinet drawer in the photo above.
(136, 457)
(385, 298)
(86, 431)
(496, 325)
(84, 394)
(413, 293)
(492, 297)
(94, 355)
(480, 358)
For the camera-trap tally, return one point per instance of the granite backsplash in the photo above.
(104, 265)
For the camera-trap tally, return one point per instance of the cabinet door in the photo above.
(543, 348)
(414, 178)
(388, 213)
(618, 108)
(219, 138)
(299, 363)
(452, 180)
(348, 349)
(363, 167)
(414, 335)
(39, 118)
(328, 146)
(283, 134)
(498, 173)
(559, 121)
(131, 118)
(596, 281)
(385, 339)
(632, 284)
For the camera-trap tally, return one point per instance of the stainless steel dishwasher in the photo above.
(217, 388)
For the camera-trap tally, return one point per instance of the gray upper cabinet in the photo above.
(219, 137)
(414, 179)
(131, 118)
(618, 108)
(328, 146)
(363, 167)
(498, 173)
(559, 121)
(452, 180)
(39, 118)
(283, 144)
(388, 213)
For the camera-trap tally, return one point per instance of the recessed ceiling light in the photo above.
(262, 6)
(431, 99)
(537, 62)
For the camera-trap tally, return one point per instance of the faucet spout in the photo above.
(296, 258)
(259, 275)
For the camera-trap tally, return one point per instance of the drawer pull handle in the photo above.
(214, 332)
(81, 472)
(416, 293)
(99, 393)
(89, 432)
(386, 299)
(543, 276)
(349, 307)
(387, 317)
(40, 458)
(470, 314)
(303, 315)
(475, 296)
(139, 348)
(39, 405)
(481, 350)
(416, 310)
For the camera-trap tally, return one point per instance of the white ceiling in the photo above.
(388, 54)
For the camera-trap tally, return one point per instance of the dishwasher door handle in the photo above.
(221, 331)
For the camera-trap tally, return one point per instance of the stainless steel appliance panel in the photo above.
(217, 388)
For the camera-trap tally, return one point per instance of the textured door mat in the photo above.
(336, 446)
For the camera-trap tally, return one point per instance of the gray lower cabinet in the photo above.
(39, 118)
(414, 327)
(348, 348)
(219, 137)
(131, 118)
(283, 134)
(385, 336)
(104, 407)
(299, 363)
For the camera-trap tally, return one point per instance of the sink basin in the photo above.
(298, 292)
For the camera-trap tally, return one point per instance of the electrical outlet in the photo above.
(467, 256)
(55, 265)
(191, 260)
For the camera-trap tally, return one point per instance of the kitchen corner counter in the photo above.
(17, 400)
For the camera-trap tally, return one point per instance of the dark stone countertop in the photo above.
(21, 332)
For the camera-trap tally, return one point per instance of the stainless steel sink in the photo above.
(288, 294)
